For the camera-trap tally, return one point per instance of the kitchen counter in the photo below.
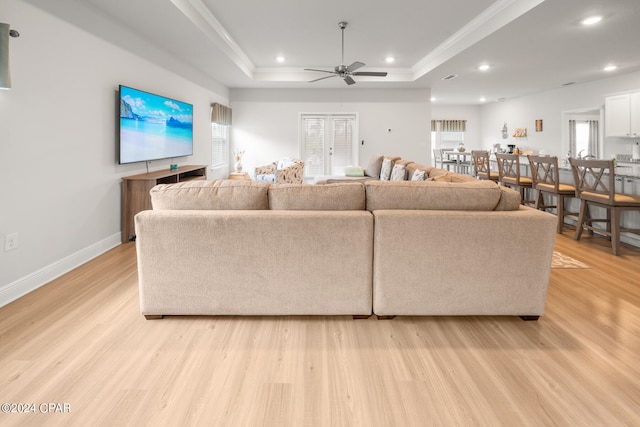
(626, 169)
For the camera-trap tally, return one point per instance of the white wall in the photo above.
(60, 187)
(266, 121)
(549, 106)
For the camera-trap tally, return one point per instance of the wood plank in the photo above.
(82, 340)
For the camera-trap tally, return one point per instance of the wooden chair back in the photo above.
(481, 163)
(594, 180)
(544, 170)
(508, 167)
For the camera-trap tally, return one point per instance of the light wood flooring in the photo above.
(81, 340)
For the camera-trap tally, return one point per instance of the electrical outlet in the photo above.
(11, 242)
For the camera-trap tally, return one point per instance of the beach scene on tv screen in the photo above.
(153, 127)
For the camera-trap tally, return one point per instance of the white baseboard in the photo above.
(33, 281)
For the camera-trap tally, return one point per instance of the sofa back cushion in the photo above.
(211, 195)
(509, 200)
(329, 197)
(428, 195)
(374, 166)
(412, 167)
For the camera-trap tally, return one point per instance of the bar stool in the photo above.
(482, 165)
(595, 186)
(440, 157)
(544, 173)
(509, 172)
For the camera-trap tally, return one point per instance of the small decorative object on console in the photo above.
(237, 155)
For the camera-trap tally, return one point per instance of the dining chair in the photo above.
(546, 181)
(463, 166)
(595, 186)
(440, 157)
(509, 175)
(482, 166)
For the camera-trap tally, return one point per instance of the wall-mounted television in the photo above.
(153, 127)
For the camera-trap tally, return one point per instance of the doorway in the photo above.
(328, 143)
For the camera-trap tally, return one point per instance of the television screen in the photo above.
(153, 127)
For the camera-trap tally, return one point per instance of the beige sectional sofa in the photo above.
(457, 246)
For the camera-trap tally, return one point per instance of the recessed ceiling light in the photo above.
(484, 67)
(610, 67)
(389, 59)
(483, 99)
(591, 20)
(280, 59)
(433, 98)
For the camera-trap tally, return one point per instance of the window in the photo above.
(328, 143)
(447, 134)
(583, 138)
(219, 145)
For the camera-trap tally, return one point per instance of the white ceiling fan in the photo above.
(343, 71)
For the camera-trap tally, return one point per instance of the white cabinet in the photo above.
(634, 109)
(622, 115)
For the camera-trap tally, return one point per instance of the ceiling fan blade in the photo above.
(348, 80)
(371, 73)
(322, 78)
(355, 66)
(319, 71)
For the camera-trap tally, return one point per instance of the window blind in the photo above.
(219, 145)
(313, 144)
(342, 145)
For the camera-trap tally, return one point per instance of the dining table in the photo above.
(463, 163)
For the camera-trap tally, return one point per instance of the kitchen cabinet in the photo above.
(622, 115)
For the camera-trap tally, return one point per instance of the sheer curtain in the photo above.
(572, 138)
(593, 138)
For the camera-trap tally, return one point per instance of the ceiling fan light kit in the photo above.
(343, 71)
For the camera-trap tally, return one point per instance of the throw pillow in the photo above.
(353, 171)
(286, 162)
(398, 173)
(418, 175)
(374, 166)
(385, 171)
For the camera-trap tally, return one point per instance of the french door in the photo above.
(328, 143)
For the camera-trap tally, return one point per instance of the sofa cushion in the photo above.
(474, 195)
(329, 197)
(412, 167)
(398, 173)
(451, 177)
(210, 195)
(374, 166)
(509, 200)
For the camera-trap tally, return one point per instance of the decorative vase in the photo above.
(238, 166)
